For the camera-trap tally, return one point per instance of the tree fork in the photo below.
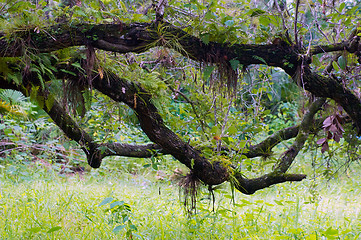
(139, 37)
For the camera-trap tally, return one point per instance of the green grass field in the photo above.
(43, 205)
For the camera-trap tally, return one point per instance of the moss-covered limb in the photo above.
(64, 35)
(137, 37)
(351, 45)
(95, 152)
(330, 48)
(288, 156)
(265, 147)
(278, 175)
(213, 52)
(250, 186)
(329, 87)
(120, 90)
(210, 173)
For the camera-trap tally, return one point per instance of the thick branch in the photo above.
(289, 156)
(95, 152)
(152, 124)
(250, 186)
(351, 45)
(264, 148)
(328, 87)
(278, 175)
(138, 37)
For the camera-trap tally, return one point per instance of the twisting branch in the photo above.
(95, 152)
(288, 156)
(139, 37)
(278, 175)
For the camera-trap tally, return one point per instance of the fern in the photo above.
(13, 102)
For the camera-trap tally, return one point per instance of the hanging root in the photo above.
(190, 184)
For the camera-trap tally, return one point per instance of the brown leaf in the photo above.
(339, 118)
(329, 135)
(321, 141)
(339, 126)
(324, 147)
(327, 122)
(334, 129)
(337, 137)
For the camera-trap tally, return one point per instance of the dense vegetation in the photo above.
(193, 93)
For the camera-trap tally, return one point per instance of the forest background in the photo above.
(109, 108)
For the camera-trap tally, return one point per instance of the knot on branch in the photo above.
(94, 156)
(353, 45)
(250, 186)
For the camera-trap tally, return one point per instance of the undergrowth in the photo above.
(95, 205)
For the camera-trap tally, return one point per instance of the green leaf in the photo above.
(232, 130)
(216, 130)
(234, 63)
(77, 65)
(49, 102)
(269, 96)
(225, 139)
(260, 59)
(342, 6)
(133, 227)
(118, 228)
(256, 12)
(207, 72)
(335, 66)
(15, 77)
(209, 15)
(68, 72)
(265, 21)
(53, 229)
(229, 23)
(116, 203)
(342, 62)
(122, 5)
(105, 201)
(242, 144)
(331, 232)
(155, 166)
(205, 38)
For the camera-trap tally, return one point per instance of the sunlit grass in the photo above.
(54, 207)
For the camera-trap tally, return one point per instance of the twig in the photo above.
(295, 25)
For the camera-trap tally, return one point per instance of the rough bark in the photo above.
(138, 37)
(139, 100)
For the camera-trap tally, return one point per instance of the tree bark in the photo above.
(136, 37)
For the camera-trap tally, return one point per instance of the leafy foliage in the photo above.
(192, 94)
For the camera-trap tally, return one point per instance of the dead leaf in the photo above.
(321, 141)
(325, 147)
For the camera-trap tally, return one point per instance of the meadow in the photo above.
(38, 203)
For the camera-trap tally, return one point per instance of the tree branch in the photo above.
(278, 175)
(95, 152)
(138, 37)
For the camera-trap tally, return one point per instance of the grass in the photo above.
(49, 206)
